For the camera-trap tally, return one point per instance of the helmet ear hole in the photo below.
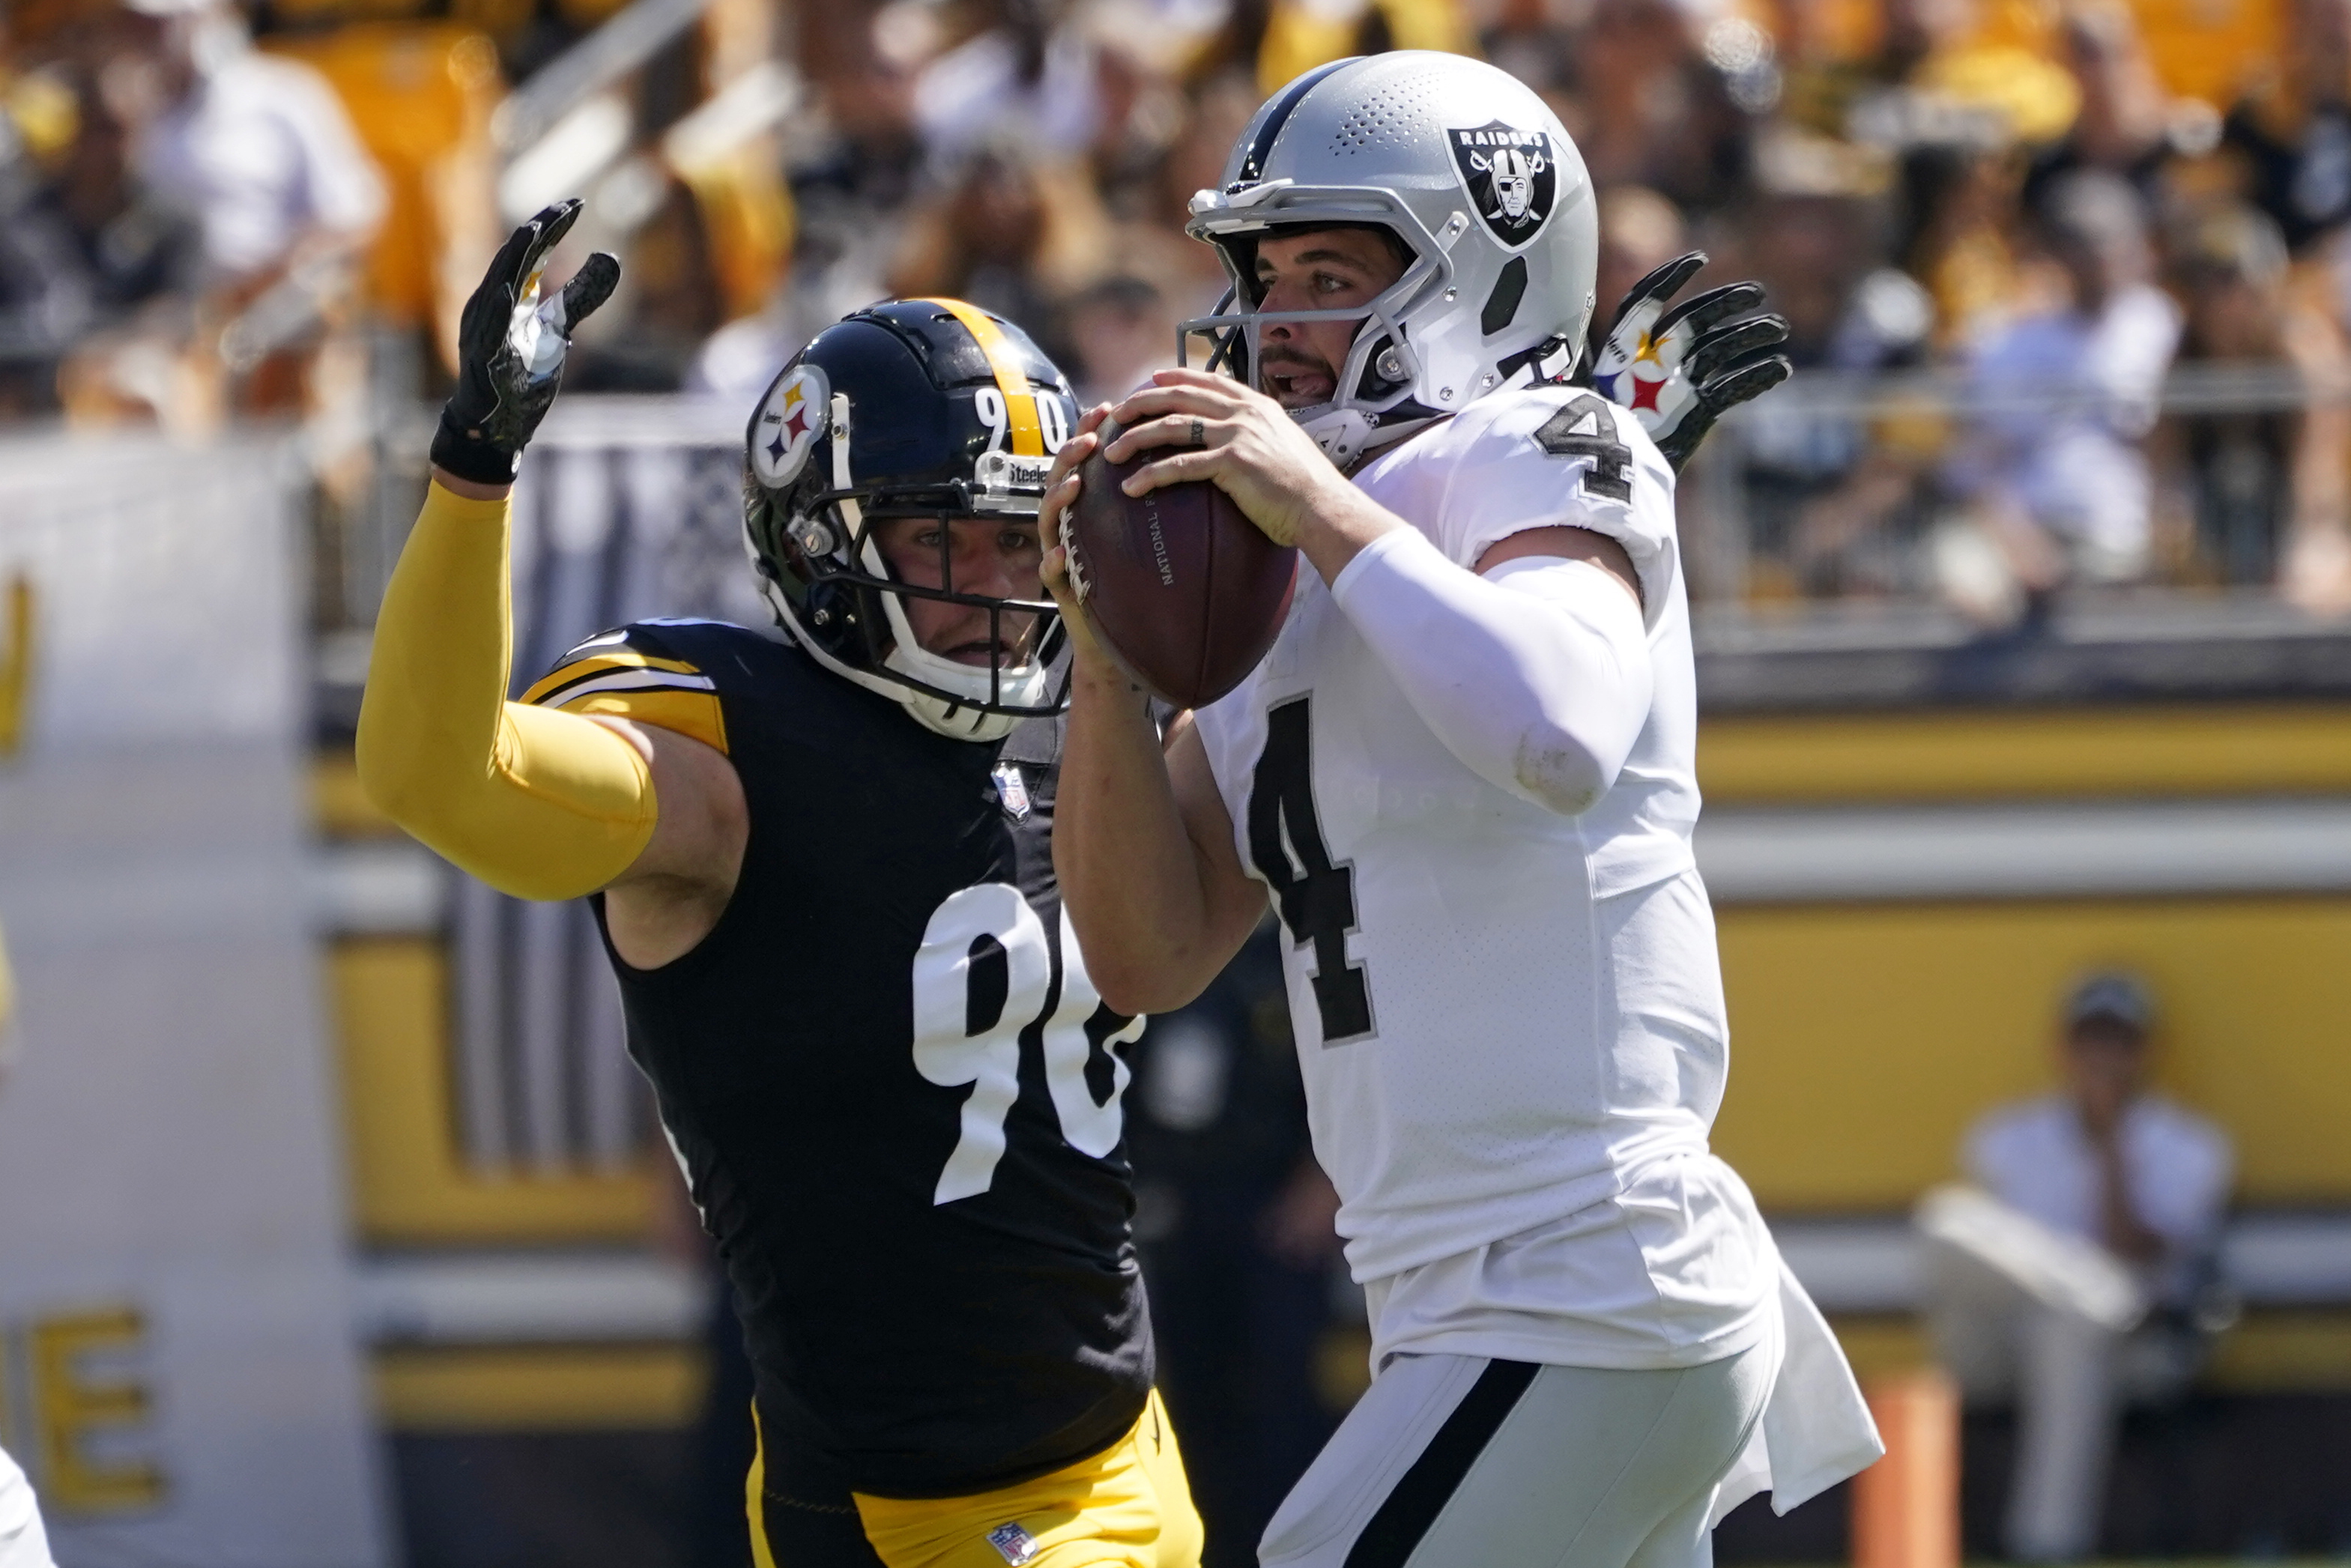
(1384, 371)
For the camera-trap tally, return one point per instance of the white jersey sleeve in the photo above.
(1536, 458)
(1536, 676)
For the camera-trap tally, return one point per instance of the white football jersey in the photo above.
(1506, 1017)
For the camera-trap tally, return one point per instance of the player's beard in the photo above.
(1282, 387)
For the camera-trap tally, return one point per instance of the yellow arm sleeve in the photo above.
(535, 802)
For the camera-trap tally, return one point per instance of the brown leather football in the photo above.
(1181, 587)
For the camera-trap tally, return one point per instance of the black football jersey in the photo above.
(894, 1090)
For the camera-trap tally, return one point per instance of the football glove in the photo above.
(510, 348)
(1678, 369)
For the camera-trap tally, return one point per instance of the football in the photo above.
(1181, 587)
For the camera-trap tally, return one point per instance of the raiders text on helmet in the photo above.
(915, 408)
(1474, 173)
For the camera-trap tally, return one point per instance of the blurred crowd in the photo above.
(2067, 278)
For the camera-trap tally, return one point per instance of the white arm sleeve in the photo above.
(1536, 676)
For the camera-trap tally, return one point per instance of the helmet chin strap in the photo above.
(956, 721)
(851, 514)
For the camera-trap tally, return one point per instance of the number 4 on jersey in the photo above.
(1586, 427)
(1317, 898)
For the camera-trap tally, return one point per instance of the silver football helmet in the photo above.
(1469, 169)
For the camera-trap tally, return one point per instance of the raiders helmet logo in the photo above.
(788, 425)
(1512, 176)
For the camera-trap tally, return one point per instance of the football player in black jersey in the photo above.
(820, 861)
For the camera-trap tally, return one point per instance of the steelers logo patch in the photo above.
(1512, 177)
(788, 425)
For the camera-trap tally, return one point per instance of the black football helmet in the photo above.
(926, 408)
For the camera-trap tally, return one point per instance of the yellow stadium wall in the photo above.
(1865, 1039)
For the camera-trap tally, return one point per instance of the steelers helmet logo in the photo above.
(790, 424)
(1512, 176)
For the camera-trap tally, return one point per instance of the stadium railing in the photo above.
(1778, 530)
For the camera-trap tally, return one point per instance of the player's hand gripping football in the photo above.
(1194, 425)
(510, 348)
(1678, 371)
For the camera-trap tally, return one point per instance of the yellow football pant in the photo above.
(1127, 1507)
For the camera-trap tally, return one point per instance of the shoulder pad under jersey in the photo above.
(636, 673)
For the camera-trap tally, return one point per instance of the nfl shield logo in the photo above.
(1512, 176)
(1012, 791)
(1014, 1544)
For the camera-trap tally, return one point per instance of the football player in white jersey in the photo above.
(1464, 774)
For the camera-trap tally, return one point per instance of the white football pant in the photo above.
(1455, 1461)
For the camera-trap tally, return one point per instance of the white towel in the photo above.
(1816, 1429)
(23, 1543)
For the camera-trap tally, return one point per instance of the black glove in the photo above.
(510, 348)
(1702, 366)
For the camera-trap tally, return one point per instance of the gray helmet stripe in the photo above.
(1260, 146)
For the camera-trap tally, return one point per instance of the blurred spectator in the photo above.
(1119, 331)
(2294, 133)
(1652, 96)
(1957, 104)
(1008, 231)
(669, 303)
(1020, 73)
(868, 145)
(2128, 125)
(2262, 493)
(853, 171)
(1152, 244)
(1830, 497)
(1944, 75)
(2055, 466)
(1236, 1225)
(1821, 258)
(1302, 34)
(1961, 213)
(84, 241)
(133, 244)
(2078, 1275)
(44, 299)
(259, 155)
(257, 147)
